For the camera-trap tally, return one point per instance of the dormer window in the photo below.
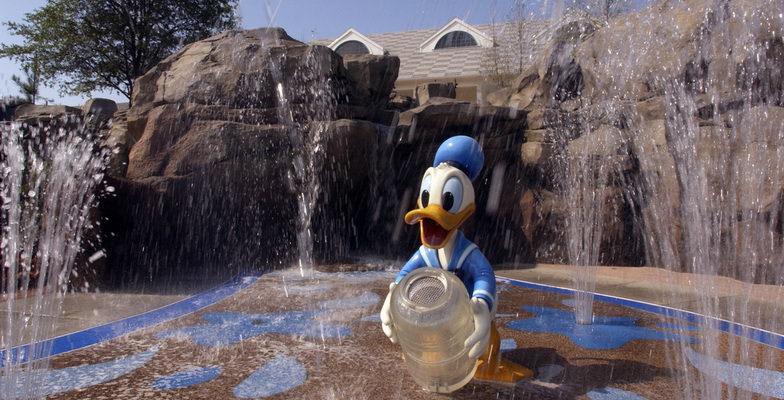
(352, 47)
(456, 39)
(456, 34)
(353, 42)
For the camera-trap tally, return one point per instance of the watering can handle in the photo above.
(386, 316)
(478, 340)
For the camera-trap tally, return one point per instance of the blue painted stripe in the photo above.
(678, 327)
(757, 380)
(609, 393)
(38, 383)
(187, 378)
(758, 335)
(112, 330)
(508, 344)
(279, 375)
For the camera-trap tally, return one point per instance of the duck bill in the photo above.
(436, 225)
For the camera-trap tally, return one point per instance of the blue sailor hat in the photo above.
(463, 152)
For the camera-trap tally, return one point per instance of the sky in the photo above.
(304, 20)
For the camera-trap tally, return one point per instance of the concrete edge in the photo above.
(759, 335)
(88, 337)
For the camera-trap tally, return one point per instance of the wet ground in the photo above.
(279, 336)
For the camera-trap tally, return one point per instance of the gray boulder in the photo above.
(374, 78)
(426, 91)
(33, 114)
(99, 111)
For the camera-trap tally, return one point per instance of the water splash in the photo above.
(306, 124)
(707, 180)
(50, 176)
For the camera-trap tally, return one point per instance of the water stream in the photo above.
(708, 189)
(306, 124)
(50, 180)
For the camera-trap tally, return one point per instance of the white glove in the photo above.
(478, 340)
(386, 316)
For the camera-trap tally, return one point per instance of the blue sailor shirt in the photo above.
(468, 263)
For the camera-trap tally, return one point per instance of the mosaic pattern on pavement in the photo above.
(287, 337)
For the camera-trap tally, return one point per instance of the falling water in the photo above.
(726, 202)
(585, 171)
(727, 183)
(49, 181)
(585, 199)
(709, 185)
(702, 176)
(306, 124)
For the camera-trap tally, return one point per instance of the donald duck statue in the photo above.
(446, 200)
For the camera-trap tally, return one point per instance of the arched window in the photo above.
(352, 47)
(456, 39)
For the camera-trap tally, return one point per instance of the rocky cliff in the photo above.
(230, 138)
(674, 114)
(222, 139)
(654, 139)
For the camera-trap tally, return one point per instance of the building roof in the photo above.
(464, 61)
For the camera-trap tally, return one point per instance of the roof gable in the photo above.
(352, 34)
(464, 61)
(456, 25)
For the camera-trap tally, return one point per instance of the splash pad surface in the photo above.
(281, 336)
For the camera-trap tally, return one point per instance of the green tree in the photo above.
(85, 45)
(505, 61)
(605, 9)
(30, 86)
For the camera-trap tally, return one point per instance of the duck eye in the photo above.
(452, 195)
(448, 200)
(424, 191)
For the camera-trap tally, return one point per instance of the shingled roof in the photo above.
(463, 61)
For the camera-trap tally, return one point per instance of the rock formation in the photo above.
(611, 136)
(661, 102)
(222, 138)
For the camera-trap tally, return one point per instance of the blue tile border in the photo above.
(112, 330)
(756, 334)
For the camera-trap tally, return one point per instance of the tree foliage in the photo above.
(505, 61)
(604, 9)
(85, 45)
(31, 85)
